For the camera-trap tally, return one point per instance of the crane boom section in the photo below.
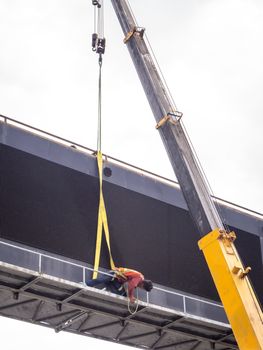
(230, 277)
(234, 289)
(188, 173)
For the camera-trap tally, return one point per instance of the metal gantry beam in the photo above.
(103, 312)
(9, 306)
(29, 283)
(136, 336)
(191, 334)
(195, 346)
(176, 344)
(161, 337)
(170, 324)
(76, 307)
(105, 325)
(72, 296)
(69, 321)
(58, 314)
(140, 310)
(122, 331)
(230, 333)
(79, 329)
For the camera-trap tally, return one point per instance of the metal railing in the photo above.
(86, 270)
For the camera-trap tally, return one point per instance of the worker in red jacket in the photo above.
(116, 279)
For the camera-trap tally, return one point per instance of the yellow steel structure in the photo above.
(234, 288)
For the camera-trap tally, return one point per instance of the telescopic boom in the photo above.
(230, 277)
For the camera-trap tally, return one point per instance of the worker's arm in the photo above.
(133, 282)
(133, 279)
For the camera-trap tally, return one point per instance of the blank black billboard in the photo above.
(54, 208)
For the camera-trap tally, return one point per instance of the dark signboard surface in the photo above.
(54, 208)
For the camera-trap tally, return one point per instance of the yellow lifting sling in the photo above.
(99, 47)
(102, 223)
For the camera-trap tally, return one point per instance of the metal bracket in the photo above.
(15, 295)
(173, 118)
(230, 237)
(238, 270)
(136, 30)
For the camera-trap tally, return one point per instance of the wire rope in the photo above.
(99, 107)
(95, 20)
(100, 20)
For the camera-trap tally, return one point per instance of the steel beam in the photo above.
(138, 336)
(9, 306)
(176, 344)
(74, 295)
(37, 310)
(195, 336)
(82, 305)
(170, 324)
(100, 326)
(84, 321)
(69, 321)
(195, 346)
(225, 336)
(30, 283)
(161, 337)
(141, 310)
(58, 314)
(122, 331)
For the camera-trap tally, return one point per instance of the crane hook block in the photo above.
(98, 44)
(94, 41)
(101, 44)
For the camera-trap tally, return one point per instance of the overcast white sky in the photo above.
(211, 55)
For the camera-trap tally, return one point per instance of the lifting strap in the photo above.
(102, 214)
(102, 224)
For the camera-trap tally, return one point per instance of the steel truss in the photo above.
(67, 306)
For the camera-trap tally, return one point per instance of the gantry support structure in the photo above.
(63, 305)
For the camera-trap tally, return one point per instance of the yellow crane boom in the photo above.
(234, 288)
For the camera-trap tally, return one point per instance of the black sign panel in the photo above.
(54, 208)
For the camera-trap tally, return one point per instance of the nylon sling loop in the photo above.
(102, 224)
(102, 214)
